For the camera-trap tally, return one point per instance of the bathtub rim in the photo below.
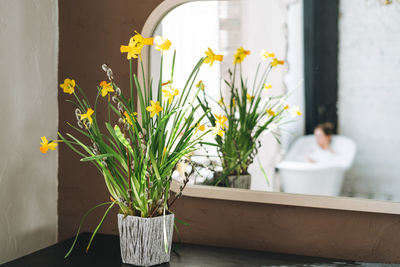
(245, 195)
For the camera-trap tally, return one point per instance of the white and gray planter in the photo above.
(241, 181)
(142, 239)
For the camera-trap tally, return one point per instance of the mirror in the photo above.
(359, 101)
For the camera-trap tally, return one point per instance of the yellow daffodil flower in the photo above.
(128, 118)
(200, 128)
(68, 86)
(267, 86)
(275, 62)
(154, 108)
(265, 54)
(161, 43)
(170, 94)
(220, 121)
(249, 97)
(217, 131)
(106, 88)
(270, 112)
(136, 43)
(46, 145)
(200, 85)
(211, 57)
(240, 55)
(88, 115)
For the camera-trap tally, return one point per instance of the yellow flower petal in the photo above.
(270, 112)
(240, 55)
(275, 62)
(154, 108)
(265, 55)
(267, 86)
(211, 57)
(68, 86)
(200, 85)
(106, 88)
(136, 43)
(161, 43)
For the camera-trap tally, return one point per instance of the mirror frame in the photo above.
(245, 195)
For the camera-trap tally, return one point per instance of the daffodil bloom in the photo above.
(220, 121)
(270, 112)
(295, 111)
(154, 108)
(249, 97)
(217, 131)
(170, 94)
(136, 43)
(106, 88)
(68, 86)
(221, 101)
(265, 54)
(240, 55)
(275, 62)
(200, 85)
(211, 57)
(88, 115)
(267, 86)
(46, 145)
(200, 128)
(286, 107)
(161, 43)
(128, 118)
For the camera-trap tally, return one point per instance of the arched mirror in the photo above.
(341, 150)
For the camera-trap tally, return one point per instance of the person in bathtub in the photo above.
(322, 152)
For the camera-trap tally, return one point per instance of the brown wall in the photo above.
(90, 34)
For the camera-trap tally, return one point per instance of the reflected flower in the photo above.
(266, 54)
(211, 57)
(240, 55)
(161, 43)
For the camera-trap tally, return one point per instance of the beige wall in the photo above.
(28, 110)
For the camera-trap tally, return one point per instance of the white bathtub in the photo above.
(302, 177)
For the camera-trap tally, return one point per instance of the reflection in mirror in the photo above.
(345, 148)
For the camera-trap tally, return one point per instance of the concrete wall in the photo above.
(369, 93)
(28, 110)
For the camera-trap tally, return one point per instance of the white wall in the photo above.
(369, 95)
(28, 110)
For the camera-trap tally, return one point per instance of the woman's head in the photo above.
(323, 133)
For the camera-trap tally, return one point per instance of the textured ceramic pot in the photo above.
(142, 239)
(241, 181)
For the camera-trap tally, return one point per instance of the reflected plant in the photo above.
(136, 153)
(246, 116)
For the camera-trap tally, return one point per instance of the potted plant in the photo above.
(136, 153)
(249, 112)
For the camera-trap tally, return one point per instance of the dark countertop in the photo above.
(105, 251)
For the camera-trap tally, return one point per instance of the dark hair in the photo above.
(326, 127)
